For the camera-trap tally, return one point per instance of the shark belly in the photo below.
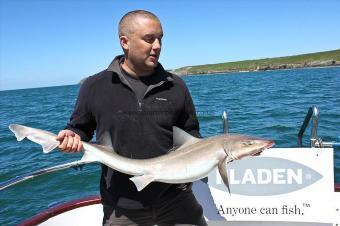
(186, 172)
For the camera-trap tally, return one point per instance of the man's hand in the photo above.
(69, 141)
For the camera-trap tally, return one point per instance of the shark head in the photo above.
(239, 146)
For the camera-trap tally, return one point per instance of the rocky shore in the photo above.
(321, 59)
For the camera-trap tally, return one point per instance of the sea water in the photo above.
(269, 104)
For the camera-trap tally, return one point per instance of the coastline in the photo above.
(249, 71)
(310, 60)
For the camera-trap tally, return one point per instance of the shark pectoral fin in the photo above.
(222, 168)
(45, 139)
(142, 181)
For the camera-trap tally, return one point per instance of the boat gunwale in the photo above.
(77, 203)
(61, 208)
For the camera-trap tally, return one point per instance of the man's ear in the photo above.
(124, 42)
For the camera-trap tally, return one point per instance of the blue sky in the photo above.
(59, 42)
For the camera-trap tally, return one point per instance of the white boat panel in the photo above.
(86, 216)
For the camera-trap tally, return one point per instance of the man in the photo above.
(137, 102)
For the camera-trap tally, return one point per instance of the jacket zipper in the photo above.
(140, 102)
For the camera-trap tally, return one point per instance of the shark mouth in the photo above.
(268, 145)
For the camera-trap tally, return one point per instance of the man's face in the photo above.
(143, 45)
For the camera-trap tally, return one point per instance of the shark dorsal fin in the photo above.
(105, 140)
(180, 137)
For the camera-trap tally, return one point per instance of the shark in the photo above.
(190, 160)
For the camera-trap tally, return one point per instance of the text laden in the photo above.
(266, 176)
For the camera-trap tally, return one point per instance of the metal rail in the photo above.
(76, 165)
(315, 141)
(312, 111)
(225, 122)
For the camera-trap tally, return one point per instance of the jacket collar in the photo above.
(116, 68)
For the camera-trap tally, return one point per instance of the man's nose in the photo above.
(157, 44)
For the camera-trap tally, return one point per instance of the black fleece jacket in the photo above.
(139, 129)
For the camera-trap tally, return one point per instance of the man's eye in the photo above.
(149, 40)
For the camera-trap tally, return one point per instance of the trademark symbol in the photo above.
(306, 205)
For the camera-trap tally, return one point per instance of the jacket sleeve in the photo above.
(188, 118)
(82, 121)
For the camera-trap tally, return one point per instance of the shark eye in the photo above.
(248, 142)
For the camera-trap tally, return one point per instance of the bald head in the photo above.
(127, 24)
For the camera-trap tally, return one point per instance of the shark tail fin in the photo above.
(46, 139)
(142, 181)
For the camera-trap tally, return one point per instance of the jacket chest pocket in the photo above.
(160, 104)
(160, 110)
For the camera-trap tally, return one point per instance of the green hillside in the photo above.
(320, 59)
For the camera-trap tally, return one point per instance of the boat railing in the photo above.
(225, 122)
(315, 141)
